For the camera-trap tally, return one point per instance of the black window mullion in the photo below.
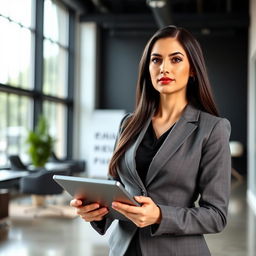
(38, 86)
(71, 81)
(19, 116)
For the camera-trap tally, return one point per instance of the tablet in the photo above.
(99, 191)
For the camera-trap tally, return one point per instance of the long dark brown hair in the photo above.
(147, 98)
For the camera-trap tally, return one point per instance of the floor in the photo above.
(73, 237)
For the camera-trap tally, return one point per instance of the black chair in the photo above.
(40, 185)
(16, 163)
(75, 166)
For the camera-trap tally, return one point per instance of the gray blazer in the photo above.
(194, 161)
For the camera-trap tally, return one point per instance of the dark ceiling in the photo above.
(176, 6)
(146, 14)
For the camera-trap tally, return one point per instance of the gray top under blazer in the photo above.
(193, 161)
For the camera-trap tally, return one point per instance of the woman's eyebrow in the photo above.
(171, 54)
(156, 54)
(175, 53)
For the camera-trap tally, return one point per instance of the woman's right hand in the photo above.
(89, 212)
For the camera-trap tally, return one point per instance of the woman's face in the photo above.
(169, 67)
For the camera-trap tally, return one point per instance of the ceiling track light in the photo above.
(156, 3)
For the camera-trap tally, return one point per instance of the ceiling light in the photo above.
(156, 4)
(205, 31)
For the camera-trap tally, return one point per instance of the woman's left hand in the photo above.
(149, 213)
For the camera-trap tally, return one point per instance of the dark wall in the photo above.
(226, 59)
(119, 69)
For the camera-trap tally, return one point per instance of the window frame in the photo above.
(36, 94)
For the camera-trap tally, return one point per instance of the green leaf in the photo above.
(40, 143)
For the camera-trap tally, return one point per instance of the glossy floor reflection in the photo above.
(74, 237)
(233, 240)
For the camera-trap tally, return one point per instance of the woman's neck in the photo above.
(170, 108)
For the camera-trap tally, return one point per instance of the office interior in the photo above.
(66, 59)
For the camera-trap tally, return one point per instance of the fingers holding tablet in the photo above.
(89, 212)
(76, 203)
(102, 191)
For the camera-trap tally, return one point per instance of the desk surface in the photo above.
(51, 166)
(57, 166)
(10, 175)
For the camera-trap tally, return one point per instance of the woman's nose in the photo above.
(164, 68)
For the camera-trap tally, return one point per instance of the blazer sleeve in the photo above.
(214, 189)
(102, 226)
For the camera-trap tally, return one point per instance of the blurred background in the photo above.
(75, 62)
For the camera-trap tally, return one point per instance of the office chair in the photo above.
(16, 163)
(40, 185)
(236, 150)
(75, 166)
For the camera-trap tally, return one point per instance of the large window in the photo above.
(16, 44)
(34, 73)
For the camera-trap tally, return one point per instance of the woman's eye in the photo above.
(155, 60)
(176, 60)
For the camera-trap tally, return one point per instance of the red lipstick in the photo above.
(165, 80)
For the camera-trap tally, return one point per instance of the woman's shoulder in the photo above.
(193, 113)
(210, 120)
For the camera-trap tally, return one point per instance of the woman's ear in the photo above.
(192, 76)
(192, 73)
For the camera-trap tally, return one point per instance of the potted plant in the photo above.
(40, 143)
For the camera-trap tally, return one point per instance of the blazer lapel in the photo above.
(180, 132)
(131, 153)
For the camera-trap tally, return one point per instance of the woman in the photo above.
(171, 151)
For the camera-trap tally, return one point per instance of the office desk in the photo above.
(50, 166)
(8, 178)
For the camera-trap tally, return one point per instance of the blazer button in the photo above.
(143, 192)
